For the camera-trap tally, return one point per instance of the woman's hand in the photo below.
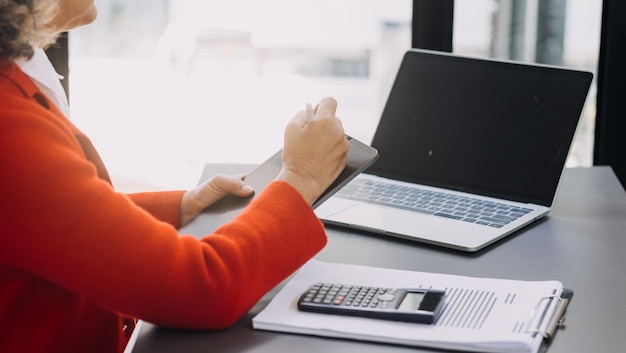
(314, 152)
(196, 200)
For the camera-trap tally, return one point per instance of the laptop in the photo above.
(470, 150)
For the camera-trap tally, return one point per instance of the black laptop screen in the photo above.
(494, 128)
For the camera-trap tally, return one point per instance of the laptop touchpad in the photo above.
(390, 219)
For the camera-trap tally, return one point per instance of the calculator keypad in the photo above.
(348, 295)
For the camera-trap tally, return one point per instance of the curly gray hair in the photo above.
(24, 23)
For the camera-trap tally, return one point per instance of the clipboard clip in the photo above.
(557, 320)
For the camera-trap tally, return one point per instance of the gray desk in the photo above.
(581, 243)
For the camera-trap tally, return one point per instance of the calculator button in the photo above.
(386, 297)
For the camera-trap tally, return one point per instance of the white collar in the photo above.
(40, 70)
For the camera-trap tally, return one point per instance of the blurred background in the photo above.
(164, 86)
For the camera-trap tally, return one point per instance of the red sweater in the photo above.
(78, 260)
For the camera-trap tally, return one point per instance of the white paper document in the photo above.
(480, 314)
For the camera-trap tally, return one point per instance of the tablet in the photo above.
(360, 156)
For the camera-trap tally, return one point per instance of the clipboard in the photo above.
(360, 157)
(480, 314)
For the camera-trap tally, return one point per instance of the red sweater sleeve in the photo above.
(162, 205)
(66, 231)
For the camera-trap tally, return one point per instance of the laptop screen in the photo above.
(500, 129)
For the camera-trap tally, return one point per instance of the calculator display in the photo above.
(411, 301)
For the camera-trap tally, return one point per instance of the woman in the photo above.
(79, 262)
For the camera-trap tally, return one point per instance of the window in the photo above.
(163, 87)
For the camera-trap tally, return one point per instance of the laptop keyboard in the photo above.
(463, 208)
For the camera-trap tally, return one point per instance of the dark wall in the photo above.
(610, 133)
(432, 24)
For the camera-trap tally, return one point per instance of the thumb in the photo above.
(220, 185)
(194, 201)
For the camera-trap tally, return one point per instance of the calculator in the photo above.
(398, 304)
